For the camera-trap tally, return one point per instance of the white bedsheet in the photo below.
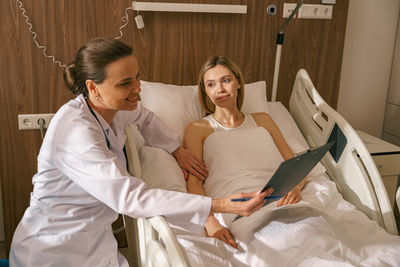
(321, 230)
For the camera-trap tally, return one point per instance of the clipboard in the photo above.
(292, 171)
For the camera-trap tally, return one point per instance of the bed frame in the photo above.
(362, 186)
(151, 241)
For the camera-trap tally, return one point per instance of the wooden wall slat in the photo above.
(170, 49)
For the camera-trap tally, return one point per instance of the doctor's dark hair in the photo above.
(90, 63)
(225, 61)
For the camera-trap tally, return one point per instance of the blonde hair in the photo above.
(225, 61)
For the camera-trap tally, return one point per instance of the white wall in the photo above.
(391, 127)
(367, 60)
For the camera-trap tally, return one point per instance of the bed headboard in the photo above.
(354, 171)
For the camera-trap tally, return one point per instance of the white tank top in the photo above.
(248, 123)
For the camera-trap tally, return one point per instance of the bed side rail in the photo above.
(160, 247)
(151, 241)
(398, 198)
(354, 172)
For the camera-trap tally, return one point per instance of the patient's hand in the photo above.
(294, 196)
(216, 230)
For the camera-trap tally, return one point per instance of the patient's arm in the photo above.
(264, 120)
(190, 163)
(195, 134)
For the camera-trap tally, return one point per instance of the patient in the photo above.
(241, 150)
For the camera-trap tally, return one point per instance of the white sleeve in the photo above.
(80, 152)
(153, 129)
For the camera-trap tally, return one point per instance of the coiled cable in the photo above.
(35, 35)
(19, 3)
(124, 19)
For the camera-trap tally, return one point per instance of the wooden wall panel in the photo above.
(170, 49)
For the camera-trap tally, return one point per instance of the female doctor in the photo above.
(82, 181)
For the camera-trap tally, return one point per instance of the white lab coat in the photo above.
(81, 186)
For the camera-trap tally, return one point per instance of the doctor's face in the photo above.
(221, 86)
(120, 90)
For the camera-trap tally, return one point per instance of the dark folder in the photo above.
(293, 170)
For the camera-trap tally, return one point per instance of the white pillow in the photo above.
(291, 133)
(160, 170)
(287, 126)
(255, 98)
(177, 106)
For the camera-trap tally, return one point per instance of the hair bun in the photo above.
(70, 78)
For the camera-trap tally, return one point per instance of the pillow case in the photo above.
(177, 106)
(287, 126)
(255, 98)
(160, 170)
(291, 133)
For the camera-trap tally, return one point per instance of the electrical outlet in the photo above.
(31, 121)
(288, 8)
(315, 12)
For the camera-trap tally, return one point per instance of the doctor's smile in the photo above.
(133, 99)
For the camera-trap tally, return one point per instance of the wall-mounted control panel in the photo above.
(309, 11)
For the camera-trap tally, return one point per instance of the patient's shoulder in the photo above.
(263, 119)
(261, 116)
(200, 127)
(199, 124)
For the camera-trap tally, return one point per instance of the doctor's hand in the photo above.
(189, 162)
(293, 197)
(216, 230)
(243, 208)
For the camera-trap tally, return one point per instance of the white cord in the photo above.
(124, 19)
(44, 48)
(35, 35)
(41, 123)
(119, 230)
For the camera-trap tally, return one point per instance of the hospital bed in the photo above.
(152, 242)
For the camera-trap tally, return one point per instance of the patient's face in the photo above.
(221, 86)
